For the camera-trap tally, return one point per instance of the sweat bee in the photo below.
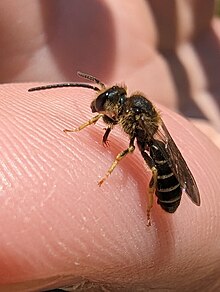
(141, 121)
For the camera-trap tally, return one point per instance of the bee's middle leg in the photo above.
(118, 158)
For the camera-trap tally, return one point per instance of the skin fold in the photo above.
(58, 228)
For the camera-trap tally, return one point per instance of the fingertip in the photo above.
(99, 228)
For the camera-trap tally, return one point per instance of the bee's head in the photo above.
(109, 101)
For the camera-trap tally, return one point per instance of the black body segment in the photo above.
(168, 189)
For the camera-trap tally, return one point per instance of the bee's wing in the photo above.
(178, 165)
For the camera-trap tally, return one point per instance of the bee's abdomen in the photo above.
(168, 190)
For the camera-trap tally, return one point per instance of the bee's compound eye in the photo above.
(98, 104)
(114, 95)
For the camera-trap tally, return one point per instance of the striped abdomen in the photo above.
(168, 190)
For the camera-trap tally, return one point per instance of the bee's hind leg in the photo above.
(152, 184)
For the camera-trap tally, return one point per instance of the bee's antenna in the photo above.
(80, 74)
(64, 85)
(91, 78)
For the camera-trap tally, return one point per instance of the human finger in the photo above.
(59, 222)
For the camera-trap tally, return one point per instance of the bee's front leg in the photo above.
(86, 124)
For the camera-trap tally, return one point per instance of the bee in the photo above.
(141, 121)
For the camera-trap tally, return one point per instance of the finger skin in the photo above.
(55, 220)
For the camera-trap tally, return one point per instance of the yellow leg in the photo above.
(119, 157)
(88, 123)
(152, 188)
